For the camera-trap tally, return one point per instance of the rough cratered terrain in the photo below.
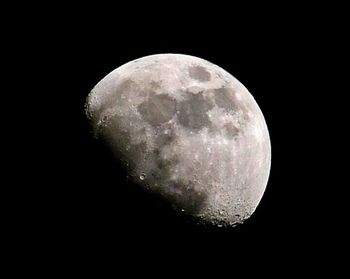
(187, 130)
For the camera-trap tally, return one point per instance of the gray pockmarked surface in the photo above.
(187, 130)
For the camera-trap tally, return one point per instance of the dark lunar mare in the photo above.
(157, 109)
(192, 112)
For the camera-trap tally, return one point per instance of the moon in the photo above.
(188, 131)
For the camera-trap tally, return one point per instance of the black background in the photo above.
(82, 212)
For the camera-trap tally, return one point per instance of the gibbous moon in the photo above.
(188, 131)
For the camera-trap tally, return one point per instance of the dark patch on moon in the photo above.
(193, 112)
(231, 130)
(225, 98)
(199, 73)
(157, 109)
(126, 88)
(162, 167)
(137, 151)
(165, 165)
(126, 85)
(165, 138)
(161, 171)
(155, 84)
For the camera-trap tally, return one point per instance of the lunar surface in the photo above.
(188, 131)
